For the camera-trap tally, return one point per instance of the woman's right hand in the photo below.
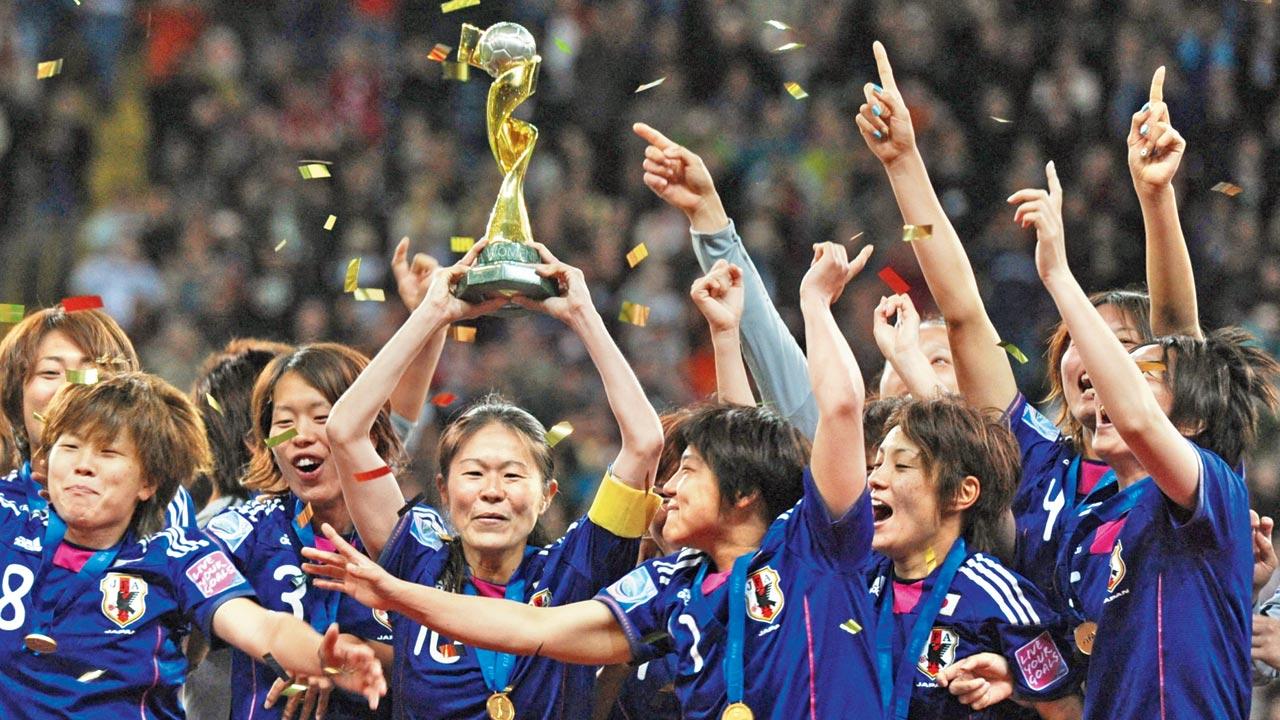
(574, 296)
(884, 120)
(901, 336)
(719, 296)
(412, 278)
(678, 176)
(350, 571)
(439, 294)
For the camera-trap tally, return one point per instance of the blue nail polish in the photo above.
(876, 110)
(877, 134)
(877, 87)
(1143, 130)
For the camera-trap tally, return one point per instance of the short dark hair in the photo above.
(751, 450)
(956, 441)
(875, 422)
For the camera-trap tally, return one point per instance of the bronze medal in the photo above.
(500, 707)
(43, 644)
(737, 711)
(1085, 633)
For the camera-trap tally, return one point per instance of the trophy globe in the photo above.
(504, 45)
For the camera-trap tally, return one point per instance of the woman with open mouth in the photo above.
(98, 595)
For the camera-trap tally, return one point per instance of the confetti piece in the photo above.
(563, 46)
(84, 376)
(777, 24)
(314, 171)
(638, 253)
(81, 302)
(439, 53)
(930, 559)
(634, 313)
(558, 432)
(911, 233)
(373, 474)
(1001, 120)
(788, 46)
(444, 399)
(293, 689)
(459, 71)
(651, 85)
(1014, 352)
(282, 438)
(11, 313)
(796, 91)
(461, 243)
(353, 276)
(458, 5)
(91, 676)
(850, 626)
(894, 281)
(370, 295)
(463, 333)
(280, 245)
(110, 360)
(37, 416)
(860, 234)
(330, 222)
(213, 403)
(304, 517)
(1227, 189)
(48, 69)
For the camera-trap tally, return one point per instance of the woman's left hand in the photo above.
(1043, 209)
(574, 295)
(979, 681)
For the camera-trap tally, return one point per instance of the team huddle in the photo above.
(935, 549)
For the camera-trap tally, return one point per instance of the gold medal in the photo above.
(40, 643)
(500, 707)
(737, 711)
(1085, 633)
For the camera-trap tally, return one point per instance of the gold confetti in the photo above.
(84, 376)
(280, 245)
(563, 46)
(911, 233)
(1001, 120)
(930, 560)
(353, 276)
(796, 91)
(851, 626)
(1227, 189)
(458, 5)
(461, 243)
(462, 333)
(638, 253)
(282, 438)
(304, 517)
(788, 46)
(439, 53)
(48, 69)
(37, 416)
(651, 85)
(213, 402)
(330, 222)
(1014, 352)
(370, 294)
(459, 71)
(777, 24)
(11, 312)
(293, 689)
(558, 432)
(860, 234)
(91, 676)
(634, 313)
(314, 171)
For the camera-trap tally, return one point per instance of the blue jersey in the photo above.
(649, 692)
(260, 538)
(987, 608)
(437, 677)
(1170, 590)
(20, 487)
(809, 647)
(119, 641)
(1040, 506)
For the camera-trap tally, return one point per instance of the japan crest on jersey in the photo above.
(542, 598)
(764, 595)
(939, 651)
(124, 598)
(1117, 567)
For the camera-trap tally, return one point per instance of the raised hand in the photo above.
(719, 296)
(678, 176)
(1264, 553)
(1043, 209)
(1155, 147)
(979, 681)
(830, 270)
(350, 571)
(412, 278)
(574, 296)
(884, 120)
(901, 336)
(439, 290)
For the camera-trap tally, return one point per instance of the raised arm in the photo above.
(1155, 151)
(638, 422)
(412, 281)
(679, 177)
(983, 372)
(718, 296)
(837, 459)
(1122, 389)
(899, 343)
(373, 502)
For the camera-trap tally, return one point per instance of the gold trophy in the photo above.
(505, 267)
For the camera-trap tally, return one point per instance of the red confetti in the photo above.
(894, 281)
(443, 399)
(82, 302)
(373, 474)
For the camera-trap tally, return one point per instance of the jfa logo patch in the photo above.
(213, 574)
(231, 528)
(382, 618)
(939, 651)
(634, 589)
(542, 598)
(1117, 567)
(124, 598)
(428, 530)
(764, 595)
(1040, 662)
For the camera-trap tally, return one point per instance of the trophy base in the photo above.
(505, 269)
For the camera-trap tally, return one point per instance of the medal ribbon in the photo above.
(1088, 519)
(42, 614)
(326, 613)
(496, 667)
(737, 627)
(895, 690)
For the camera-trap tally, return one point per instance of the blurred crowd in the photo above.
(159, 169)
